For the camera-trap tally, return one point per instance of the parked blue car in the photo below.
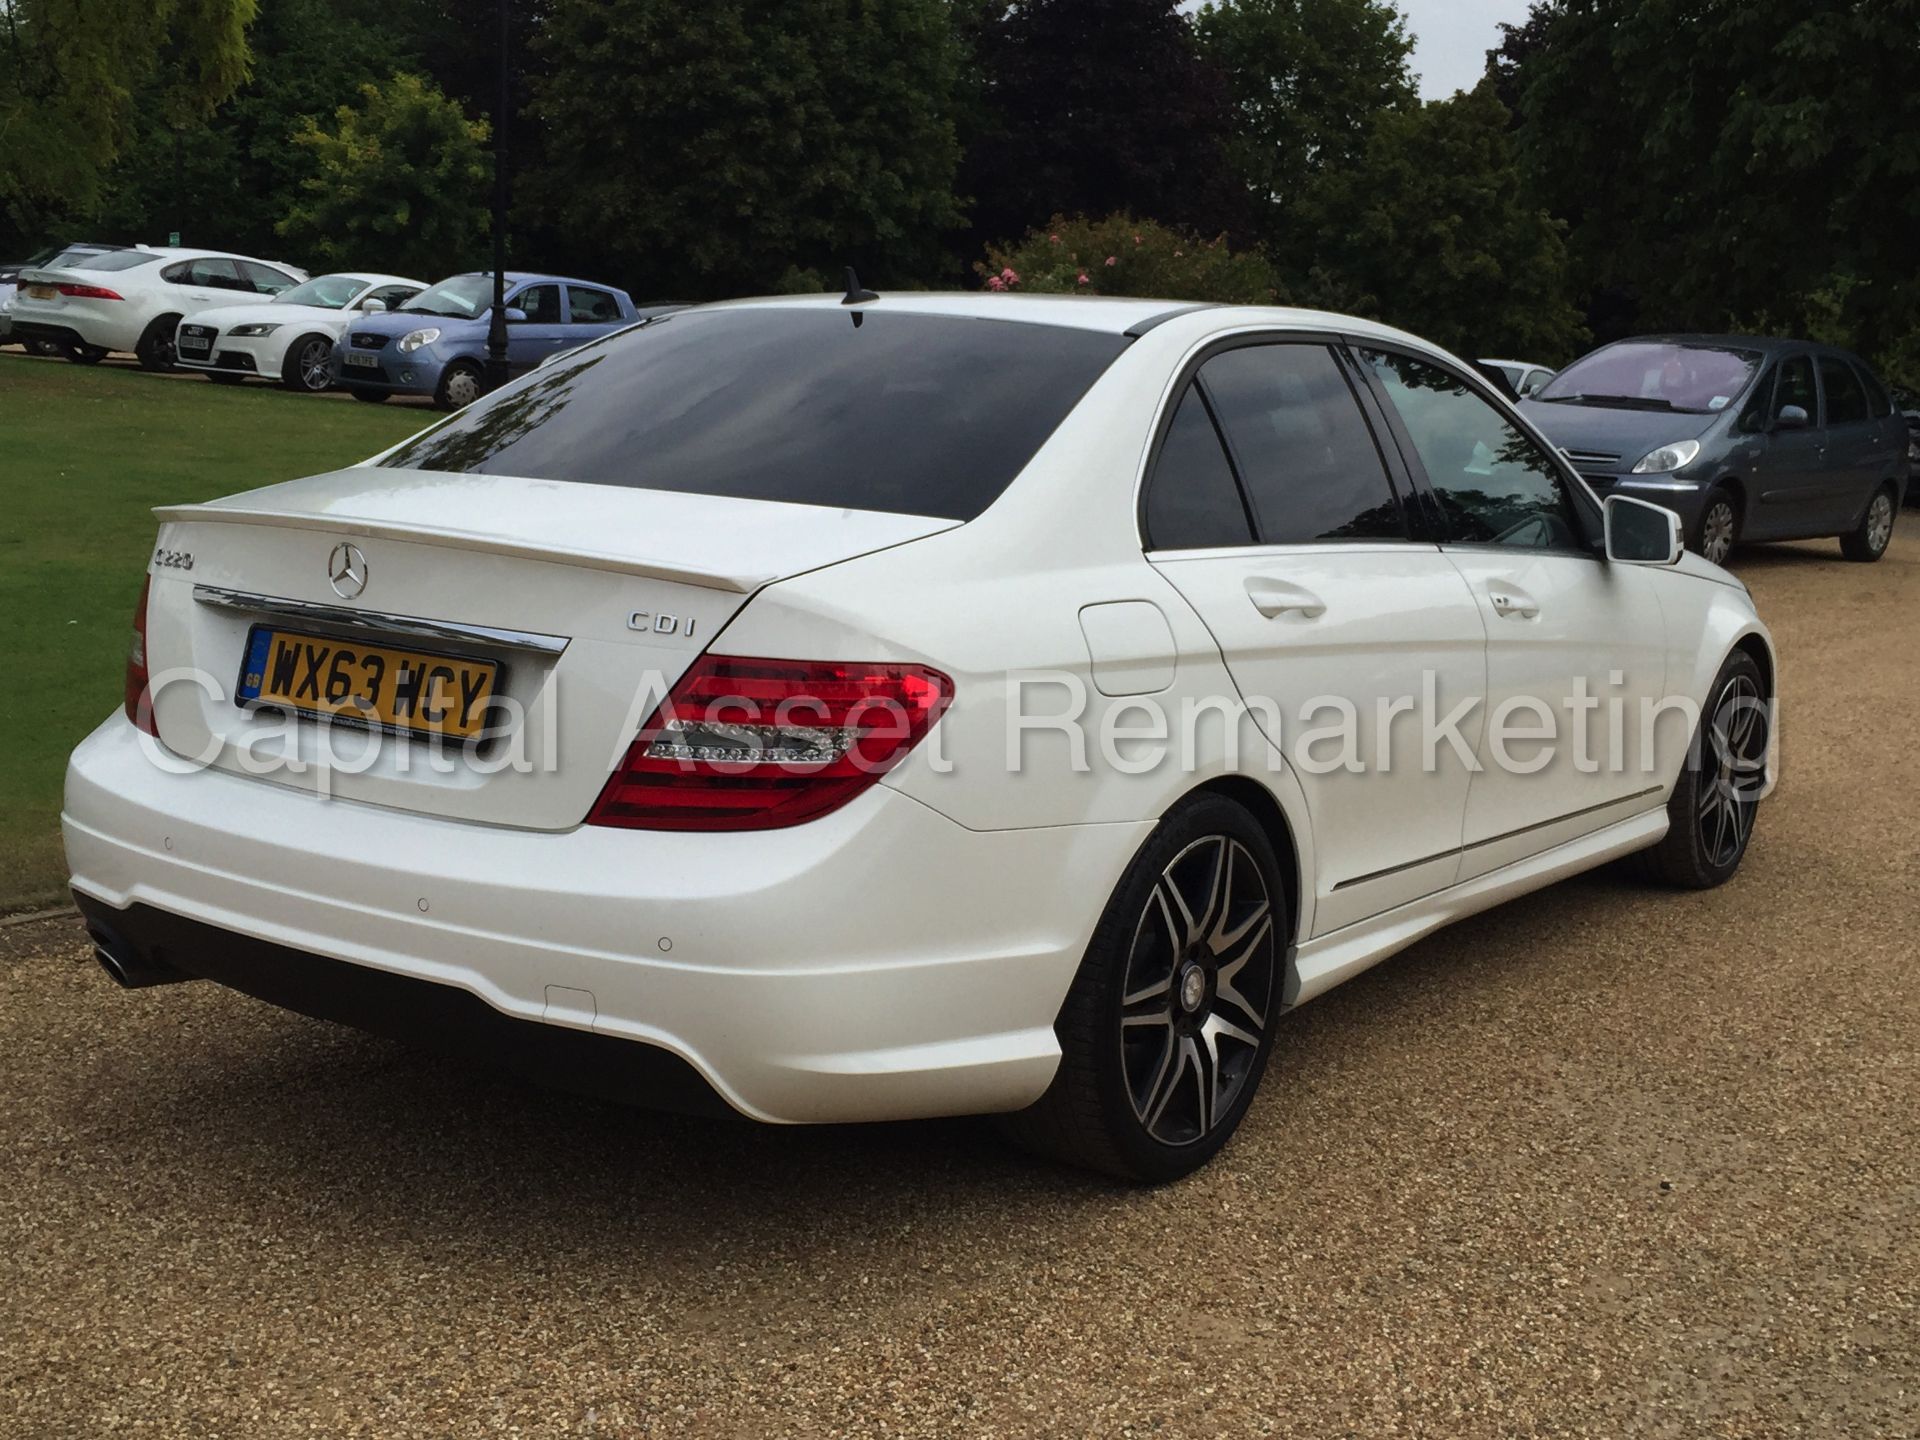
(436, 343)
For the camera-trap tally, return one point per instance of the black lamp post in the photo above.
(497, 325)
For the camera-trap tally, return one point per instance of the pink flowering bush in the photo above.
(1119, 255)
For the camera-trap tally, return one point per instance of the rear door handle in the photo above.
(1273, 597)
(1513, 604)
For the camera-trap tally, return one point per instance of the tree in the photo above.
(706, 150)
(1308, 78)
(1098, 106)
(227, 179)
(70, 71)
(400, 183)
(1429, 230)
(1728, 162)
(1120, 255)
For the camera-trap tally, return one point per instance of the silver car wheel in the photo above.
(462, 388)
(1716, 532)
(312, 365)
(1199, 988)
(1732, 774)
(1879, 522)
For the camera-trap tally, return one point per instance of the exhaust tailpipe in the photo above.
(129, 969)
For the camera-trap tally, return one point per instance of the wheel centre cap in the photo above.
(1193, 988)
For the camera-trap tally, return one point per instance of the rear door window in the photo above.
(591, 307)
(910, 413)
(1846, 399)
(1193, 501)
(1494, 484)
(1303, 450)
(1878, 401)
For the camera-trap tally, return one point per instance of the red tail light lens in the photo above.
(87, 292)
(761, 744)
(139, 701)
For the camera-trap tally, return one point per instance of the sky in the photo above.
(1453, 37)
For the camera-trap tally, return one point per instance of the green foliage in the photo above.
(71, 72)
(1428, 230)
(1308, 77)
(400, 183)
(703, 150)
(228, 179)
(1119, 255)
(1091, 107)
(1723, 162)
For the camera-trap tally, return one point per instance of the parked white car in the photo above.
(877, 709)
(291, 337)
(131, 300)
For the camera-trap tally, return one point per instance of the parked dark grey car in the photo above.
(1745, 438)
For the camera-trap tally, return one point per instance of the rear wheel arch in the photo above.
(1253, 797)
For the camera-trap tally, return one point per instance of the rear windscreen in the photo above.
(914, 414)
(112, 260)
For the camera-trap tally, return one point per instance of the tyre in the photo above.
(460, 385)
(1717, 530)
(85, 354)
(304, 366)
(1870, 541)
(224, 377)
(372, 397)
(1714, 804)
(1165, 1033)
(43, 347)
(155, 348)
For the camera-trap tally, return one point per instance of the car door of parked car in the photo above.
(1786, 487)
(1291, 540)
(1855, 459)
(542, 333)
(1567, 634)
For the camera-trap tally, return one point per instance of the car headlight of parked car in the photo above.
(1669, 457)
(241, 332)
(416, 339)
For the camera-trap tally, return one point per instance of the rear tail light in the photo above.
(86, 292)
(759, 744)
(139, 699)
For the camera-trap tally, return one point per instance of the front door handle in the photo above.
(1513, 604)
(1276, 597)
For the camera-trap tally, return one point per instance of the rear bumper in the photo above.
(879, 963)
(76, 330)
(404, 1008)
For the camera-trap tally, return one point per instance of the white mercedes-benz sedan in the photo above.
(910, 705)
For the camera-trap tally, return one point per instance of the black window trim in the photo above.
(1874, 386)
(1189, 378)
(1589, 511)
(1847, 365)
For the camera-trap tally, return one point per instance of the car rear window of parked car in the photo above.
(112, 260)
(1193, 502)
(913, 414)
(1302, 447)
(1846, 400)
(1878, 400)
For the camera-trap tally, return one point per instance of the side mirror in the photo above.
(516, 316)
(1792, 417)
(1639, 533)
(373, 307)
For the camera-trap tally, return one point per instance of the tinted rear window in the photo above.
(114, 260)
(914, 414)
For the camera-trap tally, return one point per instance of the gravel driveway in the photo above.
(1606, 1161)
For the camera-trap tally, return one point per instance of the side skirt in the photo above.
(1320, 964)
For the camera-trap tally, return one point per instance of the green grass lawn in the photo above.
(84, 454)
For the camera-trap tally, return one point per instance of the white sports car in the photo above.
(291, 337)
(910, 706)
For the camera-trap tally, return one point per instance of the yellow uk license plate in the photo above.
(410, 690)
